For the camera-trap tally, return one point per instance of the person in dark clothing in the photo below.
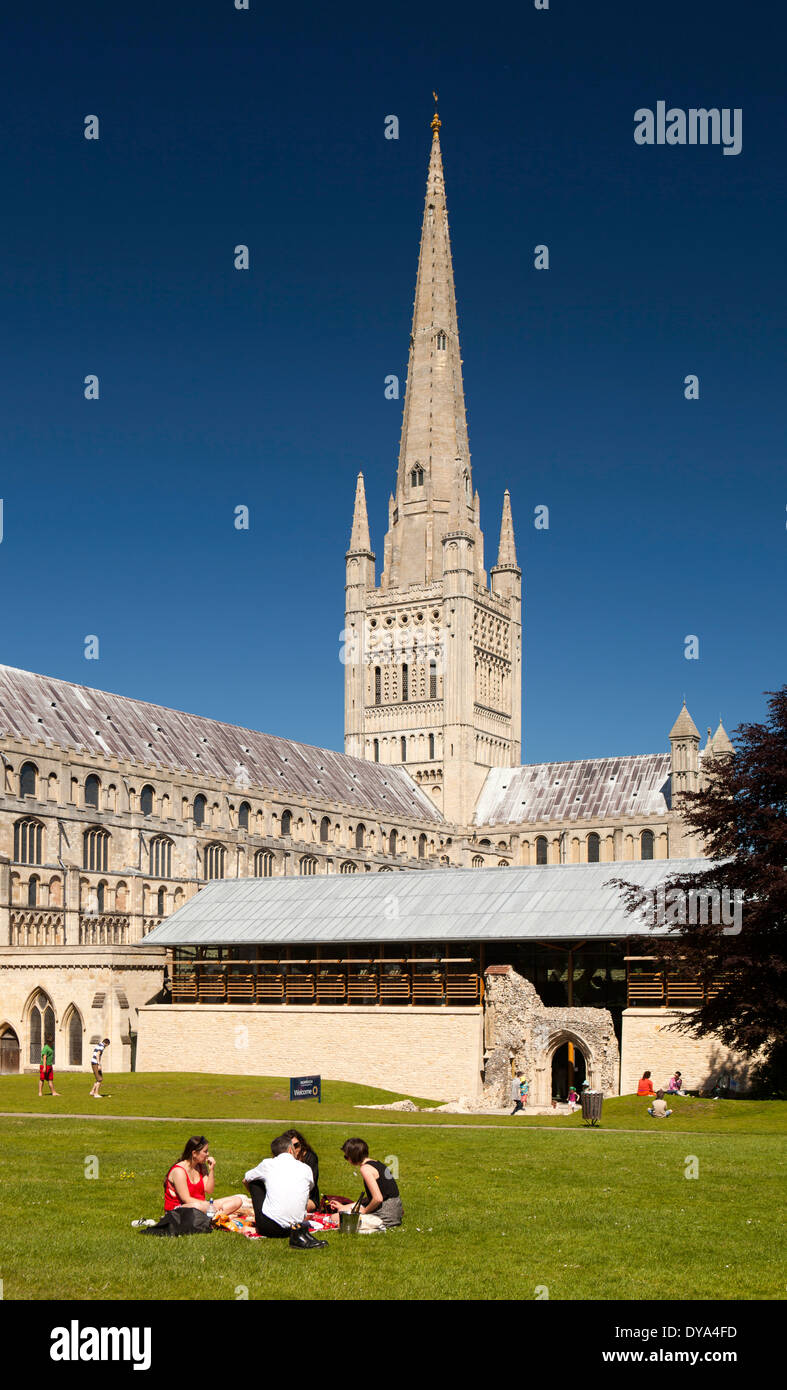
(304, 1152)
(380, 1187)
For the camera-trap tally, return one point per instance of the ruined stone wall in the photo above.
(519, 1028)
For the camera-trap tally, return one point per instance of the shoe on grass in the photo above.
(144, 1221)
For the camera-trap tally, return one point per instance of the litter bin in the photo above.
(591, 1107)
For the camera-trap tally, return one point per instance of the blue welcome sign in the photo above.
(305, 1088)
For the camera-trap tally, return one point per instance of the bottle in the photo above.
(210, 1208)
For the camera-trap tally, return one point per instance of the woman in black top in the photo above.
(380, 1186)
(305, 1154)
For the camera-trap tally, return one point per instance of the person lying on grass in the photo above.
(382, 1192)
(190, 1181)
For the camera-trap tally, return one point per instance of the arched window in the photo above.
(101, 897)
(646, 844)
(404, 749)
(74, 1032)
(417, 476)
(286, 822)
(421, 846)
(263, 864)
(146, 800)
(92, 790)
(405, 682)
(213, 861)
(161, 902)
(28, 779)
(32, 891)
(392, 842)
(541, 849)
(307, 865)
(478, 862)
(160, 857)
(244, 810)
(432, 680)
(442, 342)
(377, 750)
(96, 850)
(198, 809)
(431, 746)
(360, 836)
(325, 830)
(42, 1027)
(378, 686)
(28, 842)
(594, 848)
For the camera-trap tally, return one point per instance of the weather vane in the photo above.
(436, 122)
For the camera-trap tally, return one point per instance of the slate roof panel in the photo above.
(60, 713)
(547, 902)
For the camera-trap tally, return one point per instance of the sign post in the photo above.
(306, 1088)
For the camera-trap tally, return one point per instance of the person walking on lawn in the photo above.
(46, 1070)
(98, 1073)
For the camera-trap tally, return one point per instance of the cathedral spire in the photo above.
(434, 425)
(506, 555)
(434, 451)
(360, 539)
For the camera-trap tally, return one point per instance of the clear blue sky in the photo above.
(265, 388)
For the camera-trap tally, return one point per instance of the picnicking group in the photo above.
(282, 1191)
(658, 1107)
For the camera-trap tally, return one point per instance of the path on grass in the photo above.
(342, 1124)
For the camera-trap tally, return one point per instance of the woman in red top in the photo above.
(645, 1087)
(190, 1181)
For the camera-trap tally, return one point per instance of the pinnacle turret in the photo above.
(506, 555)
(359, 539)
(684, 726)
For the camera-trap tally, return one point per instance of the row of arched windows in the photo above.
(41, 1026)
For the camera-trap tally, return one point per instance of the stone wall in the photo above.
(106, 986)
(519, 1029)
(651, 1043)
(432, 1053)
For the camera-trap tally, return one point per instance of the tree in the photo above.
(741, 817)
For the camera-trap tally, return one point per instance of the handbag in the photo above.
(183, 1221)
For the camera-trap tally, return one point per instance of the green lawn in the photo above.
(202, 1098)
(489, 1214)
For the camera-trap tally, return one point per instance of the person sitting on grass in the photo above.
(659, 1109)
(645, 1087)
(303, 1151)
(279, 1187)
(675, 1087)
(190, 1181)
(382, 1194)
(46, 1070)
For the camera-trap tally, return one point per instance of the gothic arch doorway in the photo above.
(10, 1051)
(569, 1068)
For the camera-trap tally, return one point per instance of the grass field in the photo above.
(490, 1213)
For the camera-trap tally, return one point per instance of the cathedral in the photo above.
(115, 812)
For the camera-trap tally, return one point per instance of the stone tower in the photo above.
(434, 653)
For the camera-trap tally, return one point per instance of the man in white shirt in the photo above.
(279, 1188)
